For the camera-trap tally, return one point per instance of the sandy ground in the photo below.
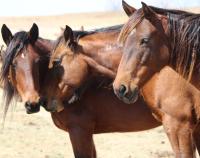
(35, 136)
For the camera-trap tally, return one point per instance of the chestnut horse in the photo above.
(96, 112)
(172, 99)
(153, 38)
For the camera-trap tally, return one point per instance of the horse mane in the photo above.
(19, 41)
(2, 53)
(78, 34)
(183, 31)
(133, 21)
(138, 16)
(15, 46)
(166, 11)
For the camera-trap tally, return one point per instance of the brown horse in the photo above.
(154, 38)
(24, 66)
(96, 112)
(72, 65)
(172, 99)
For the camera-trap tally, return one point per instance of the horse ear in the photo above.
(127, 8)
(68, 34)
(6, 34)
(33, 33)
(148, 12)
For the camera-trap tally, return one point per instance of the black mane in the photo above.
(80, 34)
(19, 41)
(167, 11)
(184, 34)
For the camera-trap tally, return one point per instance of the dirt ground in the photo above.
(35, 136)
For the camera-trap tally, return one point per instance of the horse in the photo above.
(176, 104)
(74, 62)
(96, 112)
(24, 66)
(153, 38)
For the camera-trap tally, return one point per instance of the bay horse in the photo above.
(172, 99)
(24, 66)
(81, 56)
(96, 112)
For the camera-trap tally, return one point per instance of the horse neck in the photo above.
(191, 73)
(103, 50)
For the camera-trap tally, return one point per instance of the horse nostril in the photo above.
(122, 90)
(28, 105)
(32, 107)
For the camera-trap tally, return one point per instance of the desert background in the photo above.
(35, 136)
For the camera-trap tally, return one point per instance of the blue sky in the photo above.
(55, 7)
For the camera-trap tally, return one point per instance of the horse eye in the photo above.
(144, 41)
(18, 46)
(56, 62)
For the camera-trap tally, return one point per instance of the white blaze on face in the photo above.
(22, 56)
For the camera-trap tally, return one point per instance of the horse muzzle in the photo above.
(32, 107)
(126, 95)
(50, 107)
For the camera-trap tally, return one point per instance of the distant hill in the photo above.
(194, 9)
